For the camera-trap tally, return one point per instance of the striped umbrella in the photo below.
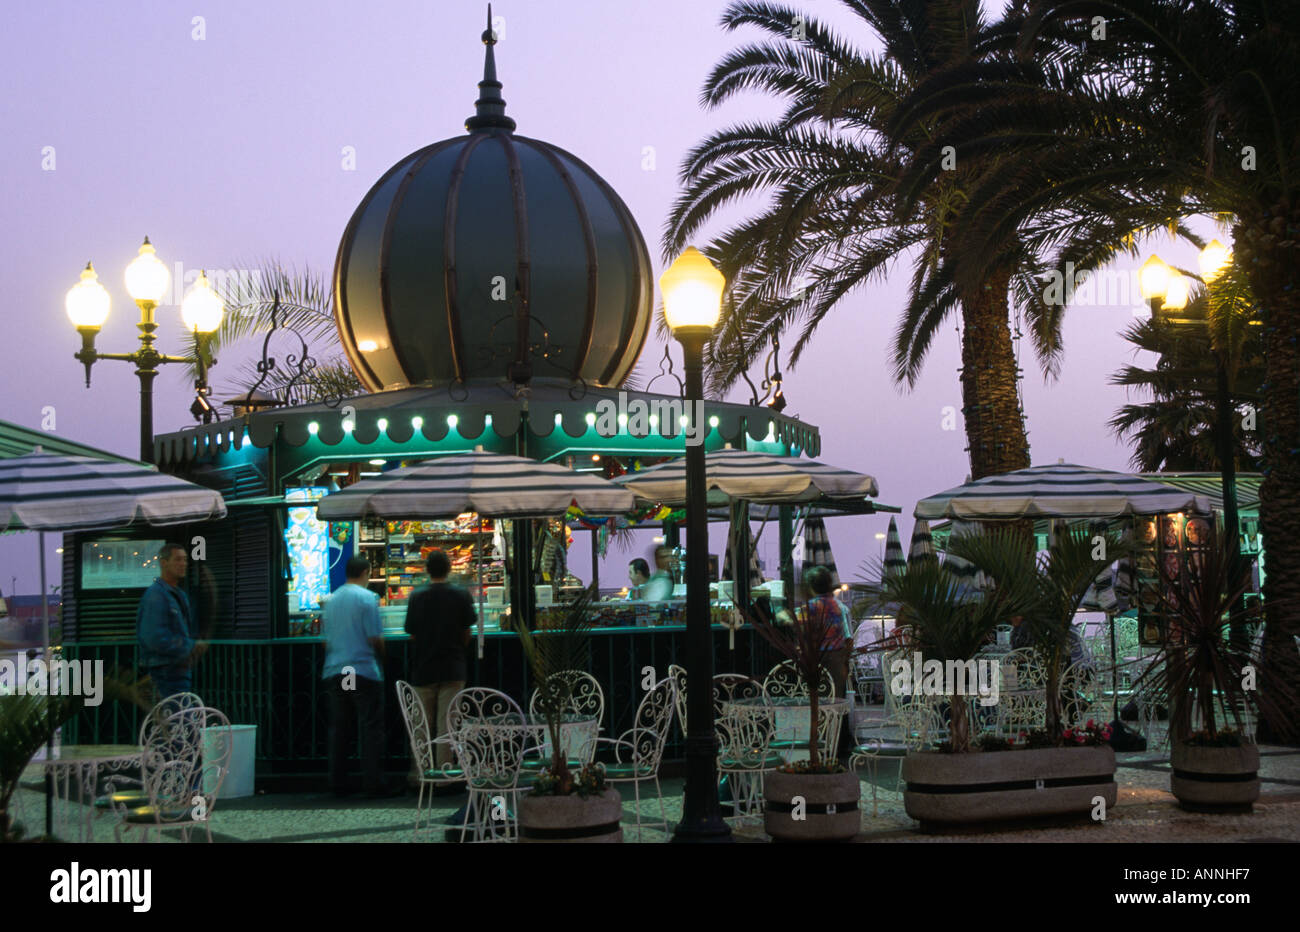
(965, 571)
(895, 562)
(751, 476)
(817, 547)
(45, 492)
(1059, 491)
(491, 484)
(922, 545)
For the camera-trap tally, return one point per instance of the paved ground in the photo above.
(1145, 812)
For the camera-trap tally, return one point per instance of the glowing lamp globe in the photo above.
(146, 277)
(1153, 278)
(1214, 258)
(202, 308)
(1175, 293)
(87, 302)
(692, 289)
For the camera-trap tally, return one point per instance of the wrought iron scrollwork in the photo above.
(666, 372)
(300, 364)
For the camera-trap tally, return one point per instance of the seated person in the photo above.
(638, 573)
(659, 587)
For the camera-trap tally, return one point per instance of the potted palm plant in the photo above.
(1215, 688)
(816, 799)
(1055, 773)
(27, 723)
(569, 800)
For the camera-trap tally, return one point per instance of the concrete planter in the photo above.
(811, 807)
(571, 819)
(945, 790)
(1215, 779)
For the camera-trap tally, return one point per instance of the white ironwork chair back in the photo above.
(586, 696)
(180, 776)
(1082, 697)
(486, 728)
(784, 681)
(678, 676)
(654, 716)
(417, 727)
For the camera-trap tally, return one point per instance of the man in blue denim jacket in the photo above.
(165, 627)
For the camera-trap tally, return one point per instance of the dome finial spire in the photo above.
(490, 108)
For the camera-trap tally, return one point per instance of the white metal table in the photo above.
(78, 769)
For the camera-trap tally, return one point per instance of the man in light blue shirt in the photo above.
(354, 655)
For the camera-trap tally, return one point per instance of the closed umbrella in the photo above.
(1059, 491)
(895, 562)
(921, 547)
(45, 492)
(817, 547)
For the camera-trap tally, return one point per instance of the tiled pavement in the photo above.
(1145, 812)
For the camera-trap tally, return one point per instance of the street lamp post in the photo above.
(692, 290)
(88, 304)
(1167, 292)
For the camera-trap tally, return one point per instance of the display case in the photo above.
(398, 551)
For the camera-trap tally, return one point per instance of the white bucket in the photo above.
(243, 757)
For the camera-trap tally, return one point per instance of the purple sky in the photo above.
(230, 148)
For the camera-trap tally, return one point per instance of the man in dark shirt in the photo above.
(438, 619)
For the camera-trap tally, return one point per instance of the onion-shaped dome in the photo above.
(490, 256)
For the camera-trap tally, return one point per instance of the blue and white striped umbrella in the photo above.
(48, 492)
(1059, 491)
(492, 484)
(964, 570)
(752, 477)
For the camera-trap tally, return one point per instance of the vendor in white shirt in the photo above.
(659, 587)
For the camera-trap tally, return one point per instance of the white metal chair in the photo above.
(125, 790)
(182, 782)
(640, 749)
(586, 698)
(744, 734)
(784, 681)
(486, 730)
(678, 676)
(919, 726)
(423, 749)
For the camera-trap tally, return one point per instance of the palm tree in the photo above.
(274, 294)
(1186, 109)
(833, 223)
(1177, 428)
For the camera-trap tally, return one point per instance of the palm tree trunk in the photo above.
(959, 724)
(1269, 251)
(995, 427)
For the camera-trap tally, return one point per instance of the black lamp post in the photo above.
(88, 303)
(692, 290)
(1166, 291)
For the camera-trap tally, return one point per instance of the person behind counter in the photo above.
(659, 587)
(638, 573)
(438, 619)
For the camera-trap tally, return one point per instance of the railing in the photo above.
(276, 685)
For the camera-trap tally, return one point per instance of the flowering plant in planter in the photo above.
(589, 781)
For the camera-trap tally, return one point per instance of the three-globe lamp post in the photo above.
(1166, 290)
(147, 280)
(692, 290)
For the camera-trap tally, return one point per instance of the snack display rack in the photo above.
(397, 551)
